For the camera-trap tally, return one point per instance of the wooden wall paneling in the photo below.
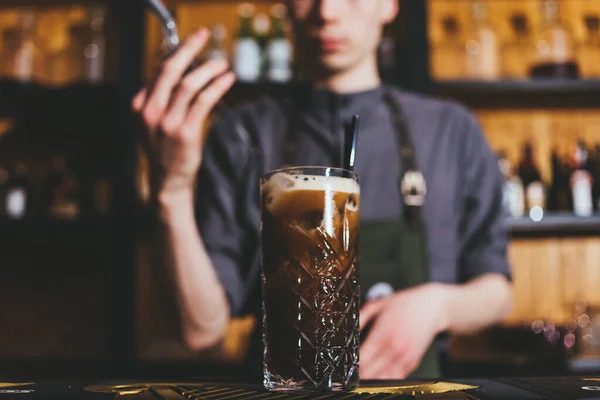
(544, 262)
(551, 275)
(550, 271)
(589, 126)
(573, 266)
(521, 274)
(591, 274)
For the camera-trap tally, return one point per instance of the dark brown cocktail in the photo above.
(310, 292)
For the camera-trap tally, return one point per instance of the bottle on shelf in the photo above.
(216, 48)
(589, 51)
(262, 28)
(17, 199)
(518, 52)
(448, 56)
(513, 199)
(279, 47)
(19, 54)
(581, 181)
(529, 174)
(94, 52)
(247, 51)
(559, 196)
(482, 48)
(60, 192)
(555, 54)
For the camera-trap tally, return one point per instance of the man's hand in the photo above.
(404, 326)
(174, 109)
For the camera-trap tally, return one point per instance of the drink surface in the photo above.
(310, 281)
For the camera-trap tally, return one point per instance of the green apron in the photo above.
(393, 253)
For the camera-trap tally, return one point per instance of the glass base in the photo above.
(277, 383)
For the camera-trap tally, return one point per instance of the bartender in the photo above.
(433, 243)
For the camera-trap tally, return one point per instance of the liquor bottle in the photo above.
(95, 49)
(513, 199)
(25, 50)
(448, 57)
(581, 182)
(560, 197)
(279, 48)
(589, 52)
(529, 174)
(555, 55)
(482, 49)
(247, 51)
(17, 199)
(262, 28)
(518, 52)
(216, 47)
(60, 192)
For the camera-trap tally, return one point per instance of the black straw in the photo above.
(350, 140)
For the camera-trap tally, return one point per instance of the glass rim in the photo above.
(350, 174)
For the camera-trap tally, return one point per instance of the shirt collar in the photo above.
(325, 104)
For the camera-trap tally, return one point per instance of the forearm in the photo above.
(200, 297)
(476, 305)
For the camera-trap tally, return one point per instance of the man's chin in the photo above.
(333, 63)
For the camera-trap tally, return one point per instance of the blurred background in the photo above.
(77, 288)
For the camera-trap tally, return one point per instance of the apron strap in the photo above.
(411, 182)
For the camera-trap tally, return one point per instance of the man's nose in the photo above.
(330, 9)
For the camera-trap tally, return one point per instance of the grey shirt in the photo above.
(462, 212)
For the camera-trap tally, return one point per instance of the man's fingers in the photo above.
(404, 365)
(139, 100)
(188, 89)
(376, 368)
(370, 310)
(375, 343)
(207, 99)
(171, 72)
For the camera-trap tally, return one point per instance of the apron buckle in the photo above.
(413, 188)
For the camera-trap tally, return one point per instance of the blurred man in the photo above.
(430, 189)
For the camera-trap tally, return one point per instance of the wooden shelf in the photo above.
(563, 93)
(46, 114)
(559, 93)
(17, 98)
(555, 224)
(59, 233)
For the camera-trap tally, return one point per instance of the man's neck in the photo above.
(362, 77)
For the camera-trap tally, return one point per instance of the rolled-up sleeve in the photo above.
(484, 238)
(217, 216)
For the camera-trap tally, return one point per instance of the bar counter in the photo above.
(541, 388)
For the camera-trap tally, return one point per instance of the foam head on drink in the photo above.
(310, 282)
